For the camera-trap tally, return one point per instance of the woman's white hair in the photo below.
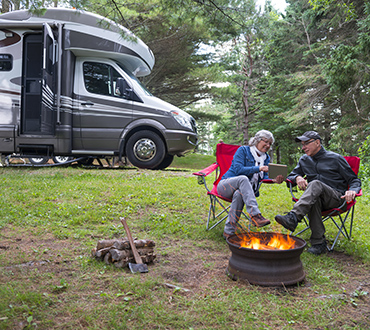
(263, 134)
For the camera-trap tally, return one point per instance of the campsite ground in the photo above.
(50, 281)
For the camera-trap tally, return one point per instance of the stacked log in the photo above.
(118, 251)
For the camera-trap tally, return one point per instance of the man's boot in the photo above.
(288, 221)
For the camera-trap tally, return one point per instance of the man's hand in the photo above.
(301, 183)
(349, 196)
(279, 179)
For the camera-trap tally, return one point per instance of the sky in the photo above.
(278, 4)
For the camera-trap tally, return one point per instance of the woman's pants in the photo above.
(240, 191)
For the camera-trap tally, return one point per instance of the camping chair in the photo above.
(224, 156)
(340, 216)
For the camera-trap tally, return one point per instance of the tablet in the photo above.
(277, 169)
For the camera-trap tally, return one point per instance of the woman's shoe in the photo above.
(259, 221)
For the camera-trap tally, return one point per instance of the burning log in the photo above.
(118, 251)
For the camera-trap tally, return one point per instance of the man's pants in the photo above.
(240, 191)
(316, 198)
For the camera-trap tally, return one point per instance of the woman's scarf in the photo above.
(259, 158)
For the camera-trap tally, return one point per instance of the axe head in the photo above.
(138, 268)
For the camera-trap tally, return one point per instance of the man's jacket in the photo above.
(329, 168)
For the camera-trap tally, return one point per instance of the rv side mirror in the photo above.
(123, 88)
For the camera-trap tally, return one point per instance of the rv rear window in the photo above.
(6, 62)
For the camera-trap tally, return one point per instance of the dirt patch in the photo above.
(188, 268)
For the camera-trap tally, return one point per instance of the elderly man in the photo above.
(326, 179)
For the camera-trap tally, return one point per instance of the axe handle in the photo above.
(133, 246)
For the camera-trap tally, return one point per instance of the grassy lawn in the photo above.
(51, 219)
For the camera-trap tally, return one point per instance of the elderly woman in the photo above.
(240, 183)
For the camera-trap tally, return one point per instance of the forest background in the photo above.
(237, 67)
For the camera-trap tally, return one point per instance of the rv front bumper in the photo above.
(180, 142)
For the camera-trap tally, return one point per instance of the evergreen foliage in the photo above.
(305, 69)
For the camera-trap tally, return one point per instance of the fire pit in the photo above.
(269, 259)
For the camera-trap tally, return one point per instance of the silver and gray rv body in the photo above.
(68, 86)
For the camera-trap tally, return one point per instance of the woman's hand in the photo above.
(264, 168)
(279, 179)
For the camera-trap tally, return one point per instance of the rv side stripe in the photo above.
(3, 91)
(9, 40)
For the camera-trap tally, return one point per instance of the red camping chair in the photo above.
(224, 156)
(338, 216)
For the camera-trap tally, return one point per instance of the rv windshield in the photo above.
(138, 82)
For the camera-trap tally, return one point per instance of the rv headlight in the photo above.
(183, 121)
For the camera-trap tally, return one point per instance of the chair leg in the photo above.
(306, 221)
(352, 214)
(336, 238)
(222, 215)
(212, 212)
(342, 227)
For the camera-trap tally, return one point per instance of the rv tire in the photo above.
(167, 161)
(61, 159)
(145, 149)
(85, 161)
(38, 160)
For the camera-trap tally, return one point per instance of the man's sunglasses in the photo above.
(303, 144)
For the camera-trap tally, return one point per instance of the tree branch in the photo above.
(202, 2)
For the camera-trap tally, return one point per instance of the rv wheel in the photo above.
(85, 161)
(145, 149)
(167, 161)
(61, 159)
(38, 160)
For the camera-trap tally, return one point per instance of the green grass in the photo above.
(187, 162)
(53, 217)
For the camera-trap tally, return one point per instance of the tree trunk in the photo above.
(247, 71)
(5, 6)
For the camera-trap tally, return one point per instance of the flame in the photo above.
(276, 242)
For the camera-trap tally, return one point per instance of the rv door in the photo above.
(104, 111)
(38, 83)
(49, 75)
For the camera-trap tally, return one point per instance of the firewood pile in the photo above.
(118, 251)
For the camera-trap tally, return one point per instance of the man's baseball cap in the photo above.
(308, 136)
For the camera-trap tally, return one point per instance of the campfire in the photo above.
(270, 259)
(276, 242)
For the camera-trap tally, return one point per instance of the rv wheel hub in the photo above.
(144, 149)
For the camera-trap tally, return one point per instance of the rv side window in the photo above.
(6, 62)
(49, 57)
(100, 78)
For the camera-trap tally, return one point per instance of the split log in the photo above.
(119, 253)
(108, 259)
(101, 253)
(121, 264)
(123, 244)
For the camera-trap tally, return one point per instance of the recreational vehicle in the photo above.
(69, 88)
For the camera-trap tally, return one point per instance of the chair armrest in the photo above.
(290, 184)
(267, 181)
(354, 200)
(206, 171)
